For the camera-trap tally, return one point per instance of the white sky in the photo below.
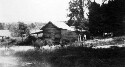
(33, 10)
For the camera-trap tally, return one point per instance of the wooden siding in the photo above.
(50, 31)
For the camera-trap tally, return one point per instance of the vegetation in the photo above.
(104, 18)
(23, 29)
(77, 57)
(1, 26)
(107, 17)
(77, 19)
(7, 42)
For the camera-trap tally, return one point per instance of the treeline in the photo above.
(105, 18)
(19, 28)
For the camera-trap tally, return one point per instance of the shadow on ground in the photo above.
(76, 57)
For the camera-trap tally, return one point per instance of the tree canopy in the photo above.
(22, 29)
(77, 19)
(104, 18)
(1, 26)
(107, 17)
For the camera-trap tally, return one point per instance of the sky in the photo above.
(34, 10)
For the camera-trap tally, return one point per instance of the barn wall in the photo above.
(56, 34)
(69, 35)
(52, 32)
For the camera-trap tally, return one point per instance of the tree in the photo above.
(1, 26)
(22, 29)
(107, 17)
(95, 27)
(77, 19)
(32, 26)
(13, 28)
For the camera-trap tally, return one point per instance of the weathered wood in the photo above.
(50, 31)
(58, 34)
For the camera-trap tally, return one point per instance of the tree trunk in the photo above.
(22, 37)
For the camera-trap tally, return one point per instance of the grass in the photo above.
(78, 57)
(115, 41)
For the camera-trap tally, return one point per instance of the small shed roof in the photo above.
(6, 33)
(36, 31)
(61, 25)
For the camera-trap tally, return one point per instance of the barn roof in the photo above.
(61, 25)
(6, 33)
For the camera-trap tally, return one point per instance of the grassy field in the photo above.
(78, 57)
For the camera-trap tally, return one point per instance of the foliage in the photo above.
(76, 57)
(1, 26)
(77, 19)
(119, 40)
(107, 17)
(13, 28)
(32, 26)
(22, 29)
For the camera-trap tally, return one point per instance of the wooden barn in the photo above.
(54, 31)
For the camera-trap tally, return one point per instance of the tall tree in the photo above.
(95, 27)
(77, 19)
(22, 29)
(107, 17)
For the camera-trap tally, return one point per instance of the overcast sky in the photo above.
(33, 10)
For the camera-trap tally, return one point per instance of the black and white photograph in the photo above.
(62, 33)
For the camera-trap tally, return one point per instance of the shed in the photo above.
(37, 33)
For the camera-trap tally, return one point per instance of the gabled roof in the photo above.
(61, 25)
(6, 33)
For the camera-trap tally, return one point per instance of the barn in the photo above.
(55, 30)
